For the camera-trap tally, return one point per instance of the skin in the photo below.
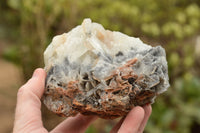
(28, 113)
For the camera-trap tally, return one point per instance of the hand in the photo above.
(28, 114)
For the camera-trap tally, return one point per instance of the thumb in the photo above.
(28, 113)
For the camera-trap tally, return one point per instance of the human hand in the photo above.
(28, 114)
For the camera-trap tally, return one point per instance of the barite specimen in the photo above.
(96, 71)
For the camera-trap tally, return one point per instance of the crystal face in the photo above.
(96, 71)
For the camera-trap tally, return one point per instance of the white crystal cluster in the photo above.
(85, 42)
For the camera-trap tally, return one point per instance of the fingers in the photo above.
(135, 121)
(132, 121)
(28, 114)
(148, 110)
(117, 126)
(77, 124)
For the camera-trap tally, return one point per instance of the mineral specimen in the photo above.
(96, 71)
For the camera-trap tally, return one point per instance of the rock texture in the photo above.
(95, 71)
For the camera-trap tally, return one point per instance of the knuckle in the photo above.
(21, 90)
(24, 88)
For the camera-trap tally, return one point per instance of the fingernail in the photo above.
(36, 73)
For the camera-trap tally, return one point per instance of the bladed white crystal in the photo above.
(90, 39)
